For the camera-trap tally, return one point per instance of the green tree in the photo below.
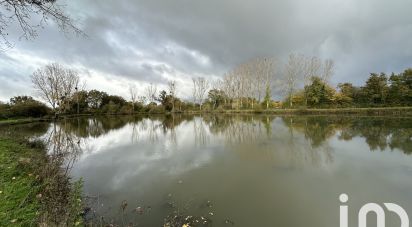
(217, 97)
(266, 100)
(400, 90)
(319, 93)
(346, 94)
(78, 101)
(115, 99)
(95, 99)
(407, 80)
(376, 89)
(166, 100)
(21, 100)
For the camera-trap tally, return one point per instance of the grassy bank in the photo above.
(19, 184)
(30, 191)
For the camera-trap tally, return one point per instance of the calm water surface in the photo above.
(241, 170)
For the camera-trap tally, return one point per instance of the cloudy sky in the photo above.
(144, 41)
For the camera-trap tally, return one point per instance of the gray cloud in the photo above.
(150, 41)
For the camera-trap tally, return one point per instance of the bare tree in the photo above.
(133, 94)
(327, 70)
(201, 85)
(292, 74)
(216, 85)
(250, 81)
(55, 84)
(238, 85)
(311, 68)
(229, 85)
(194, 90)
(259, 83)
(172, 90)
(24, 12)
(266, 67)
(142, 99)
(151, 92)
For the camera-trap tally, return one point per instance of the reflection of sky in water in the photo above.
(257, 172)
(129, 157)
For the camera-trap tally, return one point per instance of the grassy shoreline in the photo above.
(19, 184)
(27, 192)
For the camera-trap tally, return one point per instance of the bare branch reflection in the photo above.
(200, 133)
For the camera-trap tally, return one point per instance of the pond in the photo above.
(239, 170)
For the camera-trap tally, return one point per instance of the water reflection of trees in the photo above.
(316, 130)
(238, 129)
(96, 127)
(379, 133)
(259, 136)
(201, 135)
(64, 146)
(63, 149)
(382, 133)
(25, 130)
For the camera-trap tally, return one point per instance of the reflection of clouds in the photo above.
(128, 161)
(123, 150)
(107, 142)
(153, 147)
(261, 157)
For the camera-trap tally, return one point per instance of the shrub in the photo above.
(220, 109)
(4, 111)
(150, 107)
(126, 109)
(23, 106)
(157, 109)
(110, 108)
(29, 109)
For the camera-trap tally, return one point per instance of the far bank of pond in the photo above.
(375, 111)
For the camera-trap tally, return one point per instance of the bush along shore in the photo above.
(35, 189)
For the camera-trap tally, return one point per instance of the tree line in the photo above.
(301, 82)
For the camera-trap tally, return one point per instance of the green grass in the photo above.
(18, 184)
